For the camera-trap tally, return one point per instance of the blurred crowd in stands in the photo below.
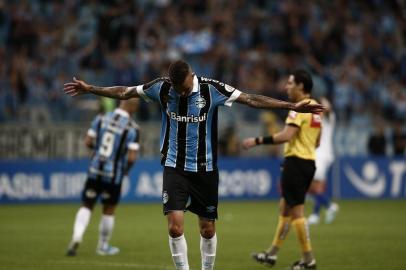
(354, 49)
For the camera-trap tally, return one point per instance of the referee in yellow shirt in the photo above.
(301, 136)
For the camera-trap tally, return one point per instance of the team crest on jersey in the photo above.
(200, 102)
(165, 197)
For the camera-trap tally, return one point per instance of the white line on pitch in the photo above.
(113, 264)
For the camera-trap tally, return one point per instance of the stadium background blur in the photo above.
(354, 49)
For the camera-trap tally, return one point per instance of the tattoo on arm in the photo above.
(122, 92)
(118, 92)
(263, 102)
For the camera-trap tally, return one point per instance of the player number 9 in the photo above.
(107, 143)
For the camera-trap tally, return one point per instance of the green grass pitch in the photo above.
(366, 235)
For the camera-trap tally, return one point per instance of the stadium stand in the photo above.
(355, 50)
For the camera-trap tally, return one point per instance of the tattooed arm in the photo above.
(79, 87)
(263, 102)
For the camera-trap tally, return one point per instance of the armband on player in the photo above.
(257, 141)
(268, 140)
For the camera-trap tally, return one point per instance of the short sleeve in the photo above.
(133, 139)
(150, 91)
(94, 127)
(294, 118)
(221, 93)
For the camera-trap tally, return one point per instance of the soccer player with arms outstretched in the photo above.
(189, 106)
(301, 136)
(114, 137)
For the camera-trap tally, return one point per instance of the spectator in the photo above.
(356, 50)
(377, 141)
(398, 139)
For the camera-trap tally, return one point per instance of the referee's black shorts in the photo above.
(297, 175)
(193, 191)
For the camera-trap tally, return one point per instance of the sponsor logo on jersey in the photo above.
(226, 86)
(316, 121)
(200, 102)
(212, 80)
(229, 88)
(188, 119)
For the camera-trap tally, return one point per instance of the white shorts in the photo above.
(322, 167)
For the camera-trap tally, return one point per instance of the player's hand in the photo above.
(76, 87)
(248, 143)
(304, 106)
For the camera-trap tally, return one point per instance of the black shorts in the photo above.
(297, 175)
(109, 193)
(193, 191)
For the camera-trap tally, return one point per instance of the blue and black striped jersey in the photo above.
(115, 133)
(189, 124)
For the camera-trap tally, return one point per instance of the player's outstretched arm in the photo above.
(263, 102)
(78, 87)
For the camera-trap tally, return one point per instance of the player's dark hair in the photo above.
(304, 77)
(178, 71)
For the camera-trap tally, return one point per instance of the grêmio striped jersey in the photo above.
(115, 133)
(189, 124)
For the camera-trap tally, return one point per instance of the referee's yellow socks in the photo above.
(281, 231)
(302, 233)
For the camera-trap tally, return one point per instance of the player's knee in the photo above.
(296, 216)
(109, 209)
(207, 231)
(297, 212)
(88, 205)
(175, 230)
(318, 189)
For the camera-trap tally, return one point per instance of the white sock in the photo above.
(81, 221)
(208, 252)
(178, 248)
(105, 230)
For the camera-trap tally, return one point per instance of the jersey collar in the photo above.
(195, 88)
(195, 84)
(121, 112)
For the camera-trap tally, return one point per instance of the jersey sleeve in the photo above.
(221, 93)
(133, 139)
(295, 119)
(94, 127)
(151, 90)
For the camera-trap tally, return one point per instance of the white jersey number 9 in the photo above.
(107, 143)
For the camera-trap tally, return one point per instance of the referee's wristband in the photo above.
(268, 140)
(257, 140)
